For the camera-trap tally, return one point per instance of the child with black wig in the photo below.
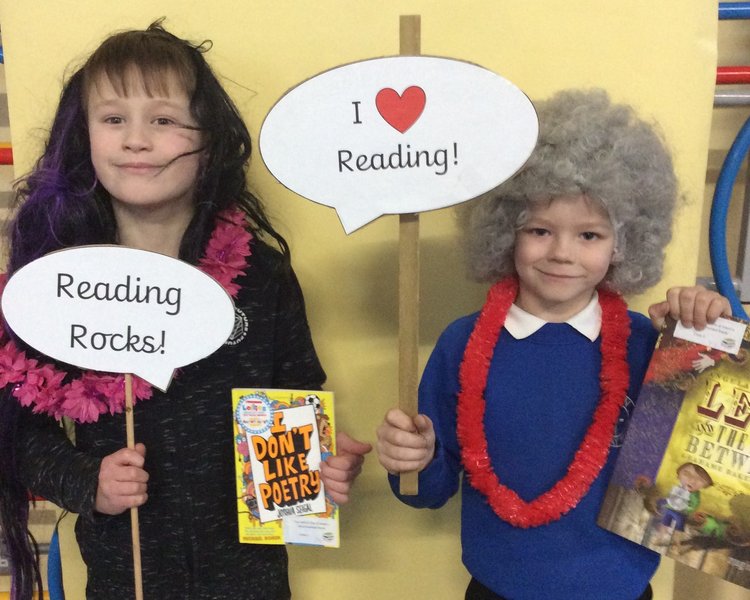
(523, 402)
(148, 151)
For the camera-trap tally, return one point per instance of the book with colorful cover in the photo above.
(681, 484)
(280, 439)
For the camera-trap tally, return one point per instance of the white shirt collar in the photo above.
(521, 324)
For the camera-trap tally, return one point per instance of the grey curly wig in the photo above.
(587, 145)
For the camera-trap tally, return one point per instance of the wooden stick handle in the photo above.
(134, 526)
(410, 35)
(408, 325)
(136, 536)
(408, 280)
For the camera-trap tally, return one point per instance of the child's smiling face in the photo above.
(562, 253)
(144, 144)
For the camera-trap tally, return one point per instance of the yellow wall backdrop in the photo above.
(659, 56)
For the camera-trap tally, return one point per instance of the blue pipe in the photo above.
(54, 569)
(717, 229)
(734, 10)
(2, 60)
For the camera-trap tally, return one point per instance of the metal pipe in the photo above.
(731, 98)
(717, 229)
(734, 74)
(734, 10)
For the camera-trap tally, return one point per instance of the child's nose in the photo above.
(136, 137)
(562, 248)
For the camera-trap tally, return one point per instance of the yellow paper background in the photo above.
(659, 56)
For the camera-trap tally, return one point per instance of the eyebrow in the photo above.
(156, 102)
(547, 222)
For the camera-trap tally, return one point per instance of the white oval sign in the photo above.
(398, 135)
(116, 309)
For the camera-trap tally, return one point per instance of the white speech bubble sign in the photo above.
(401, 134)
(120, 310)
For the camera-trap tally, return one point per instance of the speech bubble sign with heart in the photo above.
(401, 134)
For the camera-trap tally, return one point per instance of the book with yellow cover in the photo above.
(280, 439)
(681, 484)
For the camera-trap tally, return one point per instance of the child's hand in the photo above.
(122, 481)
(694, 306)
(339, 472)
(405, 444)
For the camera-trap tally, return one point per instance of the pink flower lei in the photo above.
(83, 399)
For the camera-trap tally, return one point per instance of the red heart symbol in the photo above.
(400, 111)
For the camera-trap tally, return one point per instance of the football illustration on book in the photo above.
(681, 484)
(280, 439)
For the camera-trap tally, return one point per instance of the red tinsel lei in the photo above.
(591, 454)
(83, 399)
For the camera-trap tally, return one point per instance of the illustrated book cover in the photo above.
(681, 484)
(280, 439)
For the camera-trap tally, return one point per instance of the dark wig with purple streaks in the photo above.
(61, 204)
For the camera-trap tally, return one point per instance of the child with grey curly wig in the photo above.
(588, 147)
(525, 400)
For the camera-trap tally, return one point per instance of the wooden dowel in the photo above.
(408, 320)
(410, 35)
(408, 281)
(134, 526)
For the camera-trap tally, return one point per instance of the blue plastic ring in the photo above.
(717, 231)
